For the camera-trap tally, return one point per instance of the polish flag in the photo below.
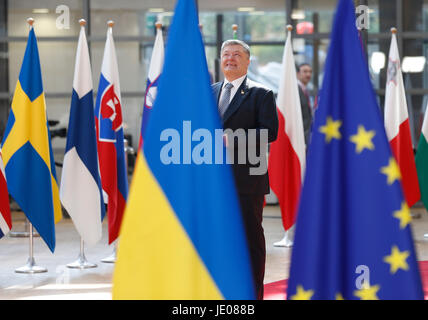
(287, 157)
(397, 126)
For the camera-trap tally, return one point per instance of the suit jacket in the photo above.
(252, 107)
(306, 115)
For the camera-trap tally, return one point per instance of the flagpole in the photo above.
(31, 266)
(235, 31)
(23, 234)
(81, 262)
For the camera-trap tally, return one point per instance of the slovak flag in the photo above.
(397, 126)
(287, 158)
(111, 152)
(155, 69)
(5, 218)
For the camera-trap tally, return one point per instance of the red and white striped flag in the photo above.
(287, 157)
(5, 218)
(398, 128)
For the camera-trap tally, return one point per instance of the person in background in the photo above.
(304, 75)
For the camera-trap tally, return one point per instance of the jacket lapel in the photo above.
(240, 95)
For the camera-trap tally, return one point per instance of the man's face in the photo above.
(305, 74)
(234, 62)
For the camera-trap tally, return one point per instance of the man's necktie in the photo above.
(225, 99)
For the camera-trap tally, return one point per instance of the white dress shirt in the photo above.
(236, 84)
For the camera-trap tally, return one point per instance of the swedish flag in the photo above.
(27, 151)
(353, 235)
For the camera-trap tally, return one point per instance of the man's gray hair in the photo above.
(233, 42)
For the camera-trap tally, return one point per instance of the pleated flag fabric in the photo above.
(353, 235)
(27, 150)
(287, 157)
(182, 235)
(80, 191)
(153, 78)
(111, 151)
(397, 126)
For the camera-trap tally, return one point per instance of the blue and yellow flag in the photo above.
(182, 236)
(353, 235)
(27, 150)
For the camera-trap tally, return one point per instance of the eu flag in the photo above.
(353, 236)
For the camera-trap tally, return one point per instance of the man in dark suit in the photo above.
(304, 75)
(245, 105)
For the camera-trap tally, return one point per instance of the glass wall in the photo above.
(262, 24)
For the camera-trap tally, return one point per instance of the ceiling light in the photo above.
(298, 14)
(246, 9)
(40, 10)
(413, 64)
(156, 10)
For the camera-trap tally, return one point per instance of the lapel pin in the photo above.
(242, 92)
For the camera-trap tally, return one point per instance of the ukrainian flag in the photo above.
(27, 151)
(182, 236)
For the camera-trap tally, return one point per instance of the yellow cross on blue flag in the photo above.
(353, 235)
(27, 151)
(182, 236)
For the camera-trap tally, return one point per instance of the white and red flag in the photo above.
(397, 126)
(111, 151)
(287, 158)
(5, 218)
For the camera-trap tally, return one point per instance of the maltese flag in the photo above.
(398, 128)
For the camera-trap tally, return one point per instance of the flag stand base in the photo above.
(81, 262)
(287, 241)
(31, 267)
(111, 258)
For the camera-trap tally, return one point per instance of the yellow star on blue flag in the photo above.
(351, 203)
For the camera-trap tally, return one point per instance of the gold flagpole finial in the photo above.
(394, 30)
(82, 22)
(30, 21)
(110, 23)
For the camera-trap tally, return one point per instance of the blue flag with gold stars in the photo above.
(353, 237)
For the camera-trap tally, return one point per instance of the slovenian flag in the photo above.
(398, 127)
(5, 218)
(111, 152)
(155, 69)
(27, 150)
(80, 191)
(287, 154)
(182, 235)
